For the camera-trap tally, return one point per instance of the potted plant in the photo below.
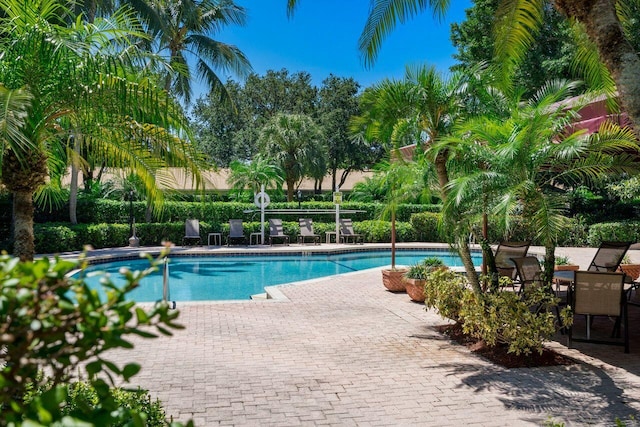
(629, 268)
(417, 276)
(398, 180)
(563, 263)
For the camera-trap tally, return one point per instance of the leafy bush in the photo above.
(625, 231)
(523, 323)
(426, 226)
(443, 291)
(55, 238)
(422, 269)
(82, 397)
(380, 231)
(573, 234)
(56, 323)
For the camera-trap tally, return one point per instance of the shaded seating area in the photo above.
(606, 259)
(236, 232)
(191, 232)
(306, 231)
(600, 294)
(347, 233)
(276, 231)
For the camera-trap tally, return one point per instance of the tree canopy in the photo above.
(550, 56)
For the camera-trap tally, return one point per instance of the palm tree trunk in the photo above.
(23, 237)
(73, 195)
(23, 175)
(463, 247)
(290, 184)
(605, 31)
(441, 171)
(465, 254)
(73, 186)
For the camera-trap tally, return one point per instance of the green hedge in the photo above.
(425, 226)
(57, 238)
(98, 211)
(575, 233)
(623, 231)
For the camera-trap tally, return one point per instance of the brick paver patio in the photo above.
(344, 351)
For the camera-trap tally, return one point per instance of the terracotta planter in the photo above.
(570, 267)
(415, 289)
(631, 270)
(393, 279)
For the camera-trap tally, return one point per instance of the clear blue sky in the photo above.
(322, 38)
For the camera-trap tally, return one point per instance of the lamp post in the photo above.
(130, 212)
(299, 197)
(133, 240)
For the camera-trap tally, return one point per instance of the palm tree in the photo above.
(421, 109)
(522, 165)
(291, 140)
(184, 31)
(400, 178)
(56, 81)
(260, 171)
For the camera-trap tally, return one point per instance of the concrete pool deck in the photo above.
(344, 351)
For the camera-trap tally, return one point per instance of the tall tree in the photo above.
(185, 30)
(256, 102)
(216, 124)
(260, 171)
(550, 55)
(292, 141)
(337, 103)
(56, 81)
(421, 109)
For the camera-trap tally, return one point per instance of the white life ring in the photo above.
(261, 200)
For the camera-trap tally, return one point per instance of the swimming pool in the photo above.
(234, 277)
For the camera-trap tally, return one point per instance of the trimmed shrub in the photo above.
(523, 323)
(443, 291)
(55, 238)
(614, 231)
(425, 225)
(102, 235)
(380, 231)
(97, 211)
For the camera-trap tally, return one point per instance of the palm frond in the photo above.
(587, 64)
(385, 15)
(14, 112)
(517, 24)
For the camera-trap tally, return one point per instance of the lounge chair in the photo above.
(609, 256)
(276, 231)
(597, 293)
(191, 232)
(306, 231)
(236, 231)
(504, 253)
(346, 232)
(528, 271)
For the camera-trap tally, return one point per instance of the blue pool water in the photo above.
(209, 278)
